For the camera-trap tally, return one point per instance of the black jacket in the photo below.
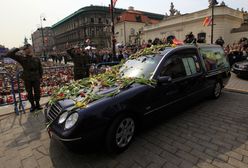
(32, 68)
(80, 61)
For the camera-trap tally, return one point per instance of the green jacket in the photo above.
(32, 68)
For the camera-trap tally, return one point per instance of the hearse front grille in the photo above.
(54, 111)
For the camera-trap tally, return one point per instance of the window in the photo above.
(174, 68)
(100, 20)
(181, 64)
(138, 18)
(121, 32)
(91, 20)
(92, 33)
(132, 31)
(214, 58)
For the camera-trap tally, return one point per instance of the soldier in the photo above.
(32, 73)
(80, 60)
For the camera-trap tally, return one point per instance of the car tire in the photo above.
(120, 134)
(217, 89)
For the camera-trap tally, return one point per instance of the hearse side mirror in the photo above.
(164, 79)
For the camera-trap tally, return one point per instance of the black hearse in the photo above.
(182, 74)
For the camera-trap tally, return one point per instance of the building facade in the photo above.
(129, 25)
(241, 31)
(37, 40)
(226, 19)
(91, 22)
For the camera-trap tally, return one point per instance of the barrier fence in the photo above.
(8, 90)
(12, 91)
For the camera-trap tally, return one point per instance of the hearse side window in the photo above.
(184, 63)
(214, 58)
(174, 68)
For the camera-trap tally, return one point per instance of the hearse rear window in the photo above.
(214, 58)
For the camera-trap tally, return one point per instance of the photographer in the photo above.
(32, 73)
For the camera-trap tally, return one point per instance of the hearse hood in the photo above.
(66, 103)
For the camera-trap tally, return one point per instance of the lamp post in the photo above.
(212, 25)
(113, 28)
(212, 4)
(42, 35)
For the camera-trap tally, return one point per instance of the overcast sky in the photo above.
(19, 18)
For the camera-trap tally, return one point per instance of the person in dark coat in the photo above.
(190, 39)
(65, 58)
(120, 56)
(32, 73)
(60, 58)
(80, 60)
(220, 41)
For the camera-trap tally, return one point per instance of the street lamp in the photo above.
(42, 18)
(212, 3)
(112, 5)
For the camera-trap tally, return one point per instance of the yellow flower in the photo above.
(80, 104)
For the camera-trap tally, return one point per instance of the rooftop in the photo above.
(93, 8)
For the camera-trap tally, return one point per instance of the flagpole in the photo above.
(113, 29)
(212, 25)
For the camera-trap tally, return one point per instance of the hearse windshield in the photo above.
(142, 67)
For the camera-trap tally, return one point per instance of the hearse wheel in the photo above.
(120, 133)
(217, 90)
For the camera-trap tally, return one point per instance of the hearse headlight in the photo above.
(63, 117)
(71, 120)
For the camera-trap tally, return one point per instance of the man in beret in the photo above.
(32, 73)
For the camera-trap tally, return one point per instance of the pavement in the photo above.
(236, 84)
(211, 134)
(9, 109)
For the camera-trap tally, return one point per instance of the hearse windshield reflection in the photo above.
(142, 67)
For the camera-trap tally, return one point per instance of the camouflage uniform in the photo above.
(32, 73)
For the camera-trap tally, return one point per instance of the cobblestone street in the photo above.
(210, 134)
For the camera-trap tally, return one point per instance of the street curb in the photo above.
(236, 90)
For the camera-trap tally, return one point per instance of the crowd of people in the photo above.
(237, 51)
(82, 59)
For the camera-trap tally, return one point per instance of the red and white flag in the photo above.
(114, 2)
(111, 8)
(207, 21)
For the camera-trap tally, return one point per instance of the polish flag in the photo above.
(207, 21)
(114, 2)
